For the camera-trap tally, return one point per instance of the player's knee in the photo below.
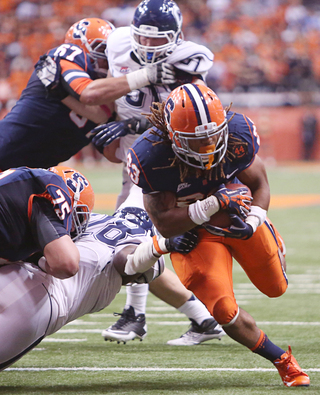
(225, 310)
(277, 289)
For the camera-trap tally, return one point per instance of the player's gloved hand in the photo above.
(161, 74)
(105, 134)
(238, 230)
(48, 71)
(183, 243)
(234, 201)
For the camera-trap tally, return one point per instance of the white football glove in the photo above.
(47, 71)
(158, 74)
(161, 74)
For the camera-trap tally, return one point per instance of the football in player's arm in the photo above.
(113, 251)
(42, 212)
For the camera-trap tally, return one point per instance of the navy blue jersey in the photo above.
(35, 208)
(150, 167)
(41, 131)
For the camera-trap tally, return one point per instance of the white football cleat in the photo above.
(208, 330)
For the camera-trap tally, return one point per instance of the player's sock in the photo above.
(266, 348)
(195, 309)
(137, 297)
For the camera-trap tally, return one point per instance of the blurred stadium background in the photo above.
(267, 59)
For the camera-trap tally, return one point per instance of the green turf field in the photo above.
(77, 360)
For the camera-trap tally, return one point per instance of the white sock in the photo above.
(195, 309)
(137, 297)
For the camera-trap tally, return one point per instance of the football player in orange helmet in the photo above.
(199, 138)
(82, 198)
(42, 213)
(91, 35)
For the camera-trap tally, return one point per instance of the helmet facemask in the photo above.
(153, 54)
(208, 156)
(80, 215)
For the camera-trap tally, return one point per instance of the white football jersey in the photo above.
(97, 282)
(188, 57)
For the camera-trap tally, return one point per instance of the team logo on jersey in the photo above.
(184, 185)
(81, 29)
(239, 150)
(124, 70)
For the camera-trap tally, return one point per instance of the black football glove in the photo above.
(183, 243)
(234, 201)
(105, 134)
(238, 230)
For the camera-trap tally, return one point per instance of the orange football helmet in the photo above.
(194, 116)
(91, 35)
(82, 197)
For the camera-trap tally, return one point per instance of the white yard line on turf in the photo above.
(116, 369)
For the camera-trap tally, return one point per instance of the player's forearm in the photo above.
(169, 219)
(95, 114)
(104, 90)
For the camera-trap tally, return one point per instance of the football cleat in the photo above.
(128, 327)
(291, 373)
(208, 330)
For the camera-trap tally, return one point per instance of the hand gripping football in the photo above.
(222, 218)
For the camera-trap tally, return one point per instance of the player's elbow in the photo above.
(64, 267)
(62, 257)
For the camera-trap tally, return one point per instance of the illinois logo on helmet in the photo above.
(197, 125)
(91, 35)
(82, 197)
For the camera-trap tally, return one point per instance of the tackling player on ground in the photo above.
(42, 212)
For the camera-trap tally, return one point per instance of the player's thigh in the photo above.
(206, 271)
(25, 312)
(260, 258)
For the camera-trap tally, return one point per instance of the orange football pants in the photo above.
(207, 270)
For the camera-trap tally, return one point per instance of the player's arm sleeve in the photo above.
(74, 78)
(137, 173)
(45, 225)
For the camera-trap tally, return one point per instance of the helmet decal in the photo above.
(200, 106)
(80, 29)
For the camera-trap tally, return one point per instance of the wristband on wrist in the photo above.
(141, 259)
(137, 79)
(201, 211)
(259, 213)
(159, 245)
(253, 221)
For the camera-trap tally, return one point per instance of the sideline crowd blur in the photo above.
(260, 46)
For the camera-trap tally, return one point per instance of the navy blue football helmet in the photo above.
(137, 216)
(156, 19)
